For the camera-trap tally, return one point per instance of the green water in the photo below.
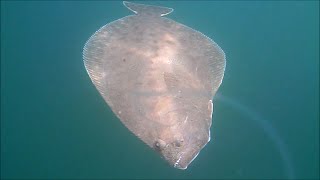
(54, 124)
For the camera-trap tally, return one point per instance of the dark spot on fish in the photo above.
(151, 34)
(169, 42)
(136, 27)
(151, 83)
(124, 60)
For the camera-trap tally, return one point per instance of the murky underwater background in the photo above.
(54, 124)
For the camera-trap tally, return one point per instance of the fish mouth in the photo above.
(185, 159)
(177, 165)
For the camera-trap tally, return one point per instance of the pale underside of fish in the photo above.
(159, 77)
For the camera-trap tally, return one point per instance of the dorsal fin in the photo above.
(149, 10)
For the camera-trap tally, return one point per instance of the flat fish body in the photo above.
(159, 78)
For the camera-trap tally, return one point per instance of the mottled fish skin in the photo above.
(158, 76)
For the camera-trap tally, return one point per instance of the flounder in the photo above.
(159, 78)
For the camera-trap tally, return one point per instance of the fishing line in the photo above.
(267, 128)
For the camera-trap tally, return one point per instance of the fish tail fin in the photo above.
(147, 9)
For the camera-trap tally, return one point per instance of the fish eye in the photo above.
(178, 143)
(159, 144)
